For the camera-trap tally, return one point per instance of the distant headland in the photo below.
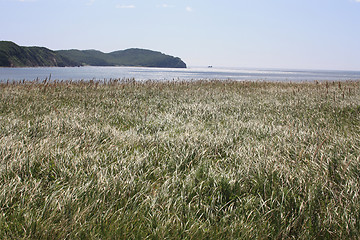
(13, 55)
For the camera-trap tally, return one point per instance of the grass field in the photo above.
(180, 160)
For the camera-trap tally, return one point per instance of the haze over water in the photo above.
(169, 74)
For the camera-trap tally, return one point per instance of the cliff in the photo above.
(12, 55)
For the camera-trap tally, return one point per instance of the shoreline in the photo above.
(166, 74)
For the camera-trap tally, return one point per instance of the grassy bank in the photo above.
(183, 160)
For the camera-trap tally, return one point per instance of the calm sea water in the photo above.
(169, 74)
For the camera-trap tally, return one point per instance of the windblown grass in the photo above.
(185, 160)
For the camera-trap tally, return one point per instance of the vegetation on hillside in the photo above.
(12, 55)
(179, 160)
(129, 57)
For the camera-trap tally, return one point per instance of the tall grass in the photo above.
(179, 160)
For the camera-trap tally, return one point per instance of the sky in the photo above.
(290, 34)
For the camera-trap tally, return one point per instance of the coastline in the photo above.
(168, 74)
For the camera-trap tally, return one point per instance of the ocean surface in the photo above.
(173, 74)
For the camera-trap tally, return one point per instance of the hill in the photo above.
(13, 55)
(128, 57)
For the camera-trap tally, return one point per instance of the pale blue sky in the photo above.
(300, 34)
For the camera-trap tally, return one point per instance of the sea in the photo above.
(173, 74)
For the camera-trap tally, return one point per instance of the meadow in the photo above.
(179, 160)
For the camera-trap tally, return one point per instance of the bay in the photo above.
(171, 74)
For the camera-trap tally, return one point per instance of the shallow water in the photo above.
(169, 74)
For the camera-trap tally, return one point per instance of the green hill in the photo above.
(86, 57)
(13, 55)
(129, 57)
